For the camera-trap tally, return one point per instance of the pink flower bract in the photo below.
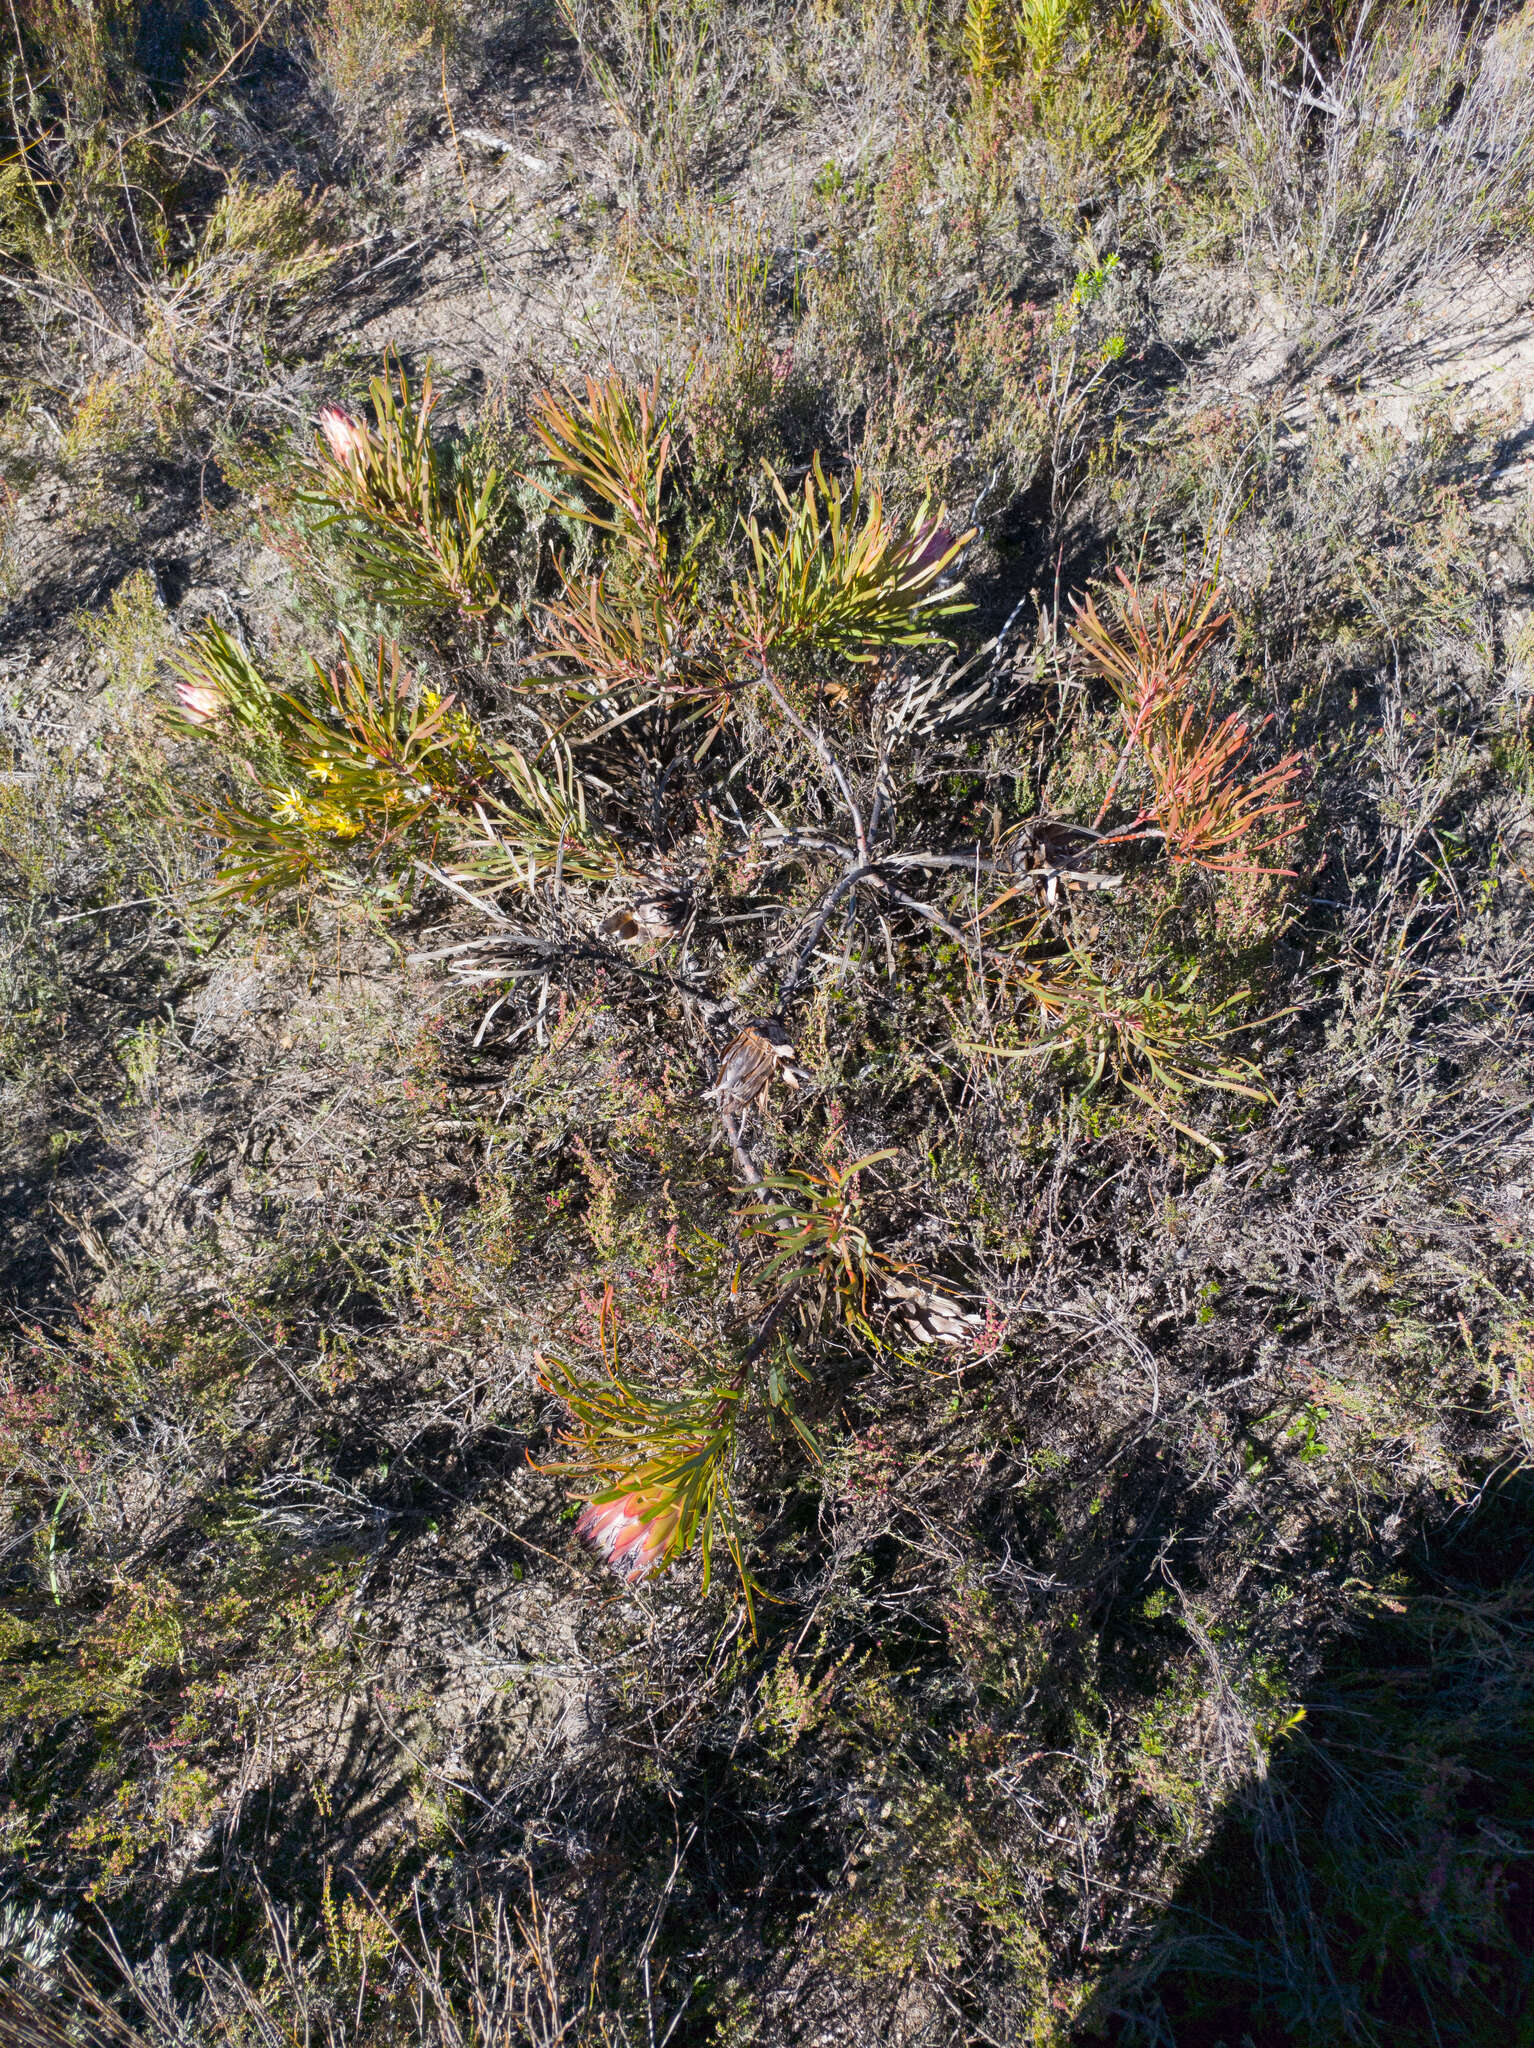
(633, 1545)
(931, 544)
(200, 702)
(348, 440)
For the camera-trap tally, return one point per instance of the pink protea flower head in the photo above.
(930, 545)
(200, 702)
(348, 440)
(632, 1543)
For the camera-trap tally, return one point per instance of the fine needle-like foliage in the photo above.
(1210, 813)
(353, 779)
(654, 1468)
(842, 577)
(368, 776)
(667, 892)
(1158, 1043)
(417, 514)
(837, 577)
(1149, 661)
(812, 1227)
(614, 444)
(634, 622)
(531, 822)
(1213, 814)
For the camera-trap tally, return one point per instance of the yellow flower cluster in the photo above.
(293, 808)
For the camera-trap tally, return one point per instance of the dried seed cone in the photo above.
(659, 915)
(932, 1317)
